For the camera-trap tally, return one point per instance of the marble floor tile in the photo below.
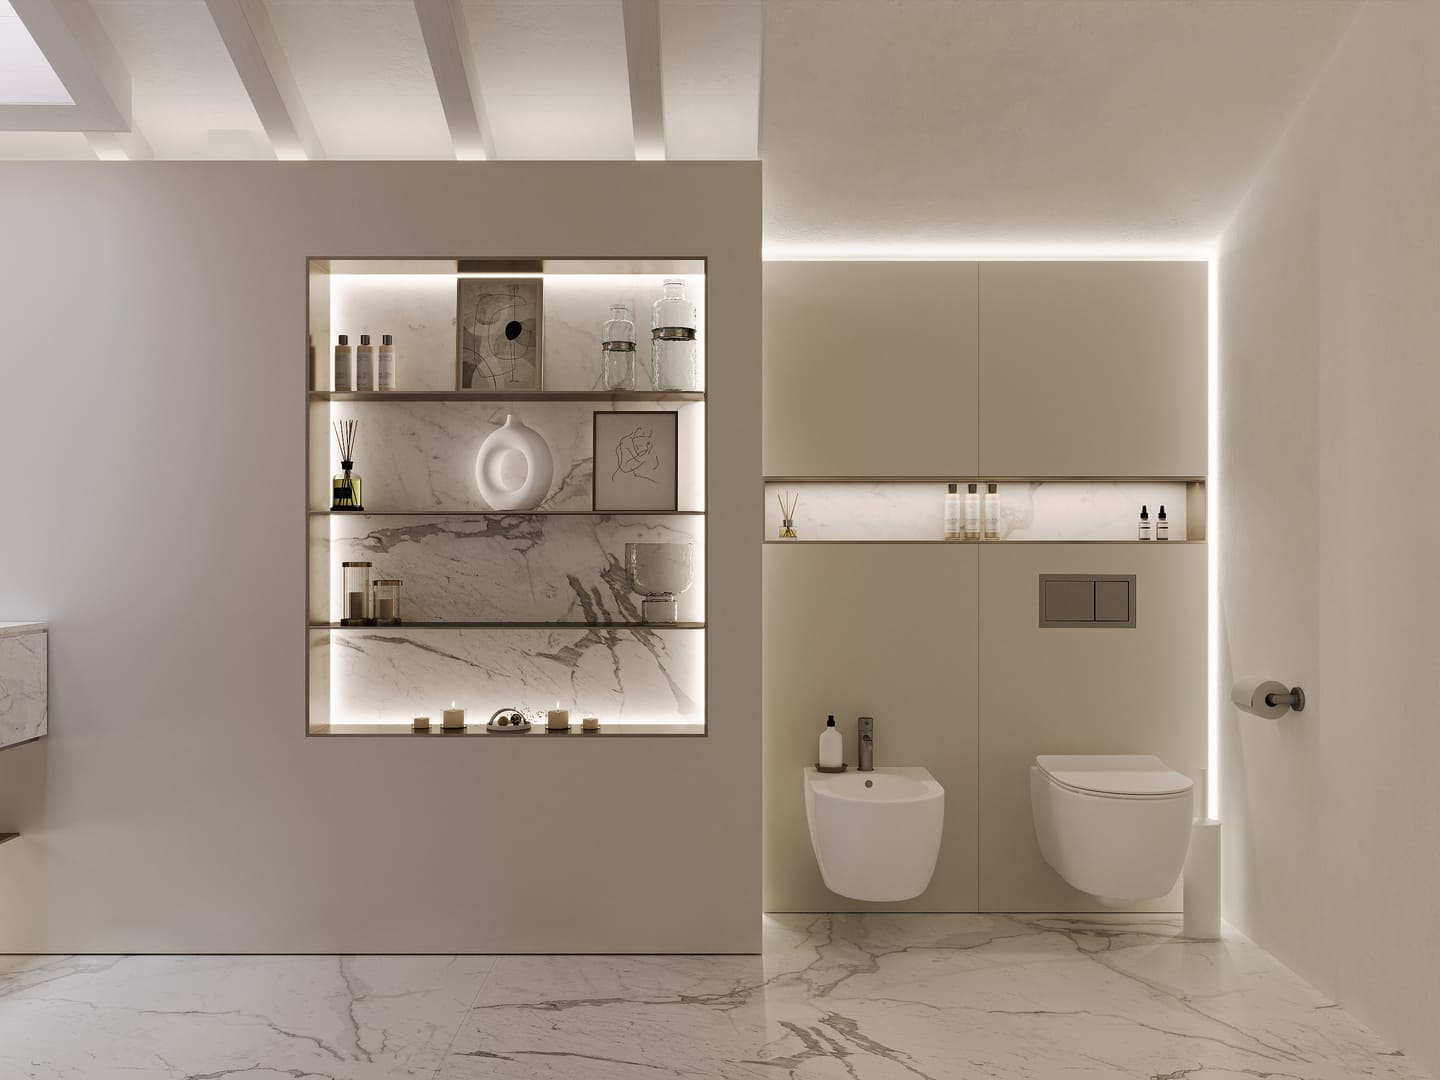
(206, 1017)
(859, 997)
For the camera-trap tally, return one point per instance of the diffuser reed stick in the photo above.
(787, 514)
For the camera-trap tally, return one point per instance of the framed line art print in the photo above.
(636, 466)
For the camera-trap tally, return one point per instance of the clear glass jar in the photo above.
(672, 339)
(617, 349)
(355, 598)
(345, 489)
(386, 594)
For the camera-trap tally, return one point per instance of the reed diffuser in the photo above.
(788, 502)
(345, 490)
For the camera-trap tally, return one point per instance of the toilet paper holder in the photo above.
(1267, 698)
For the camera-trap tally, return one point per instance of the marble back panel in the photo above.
(24, 686)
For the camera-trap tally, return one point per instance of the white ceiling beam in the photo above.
(647, 99)
(74, 43)
(254, 49)
(119, 145)
(442, 24)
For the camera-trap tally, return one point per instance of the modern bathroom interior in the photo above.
(718, 538)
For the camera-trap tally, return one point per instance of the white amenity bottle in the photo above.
(832, 747)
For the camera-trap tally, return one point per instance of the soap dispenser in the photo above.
(832, 747)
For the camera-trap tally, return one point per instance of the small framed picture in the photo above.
(635, 461)
(497, 333)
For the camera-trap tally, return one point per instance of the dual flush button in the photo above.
(1087, 600)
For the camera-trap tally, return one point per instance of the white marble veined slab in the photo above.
(859, 997)
(500, 568)
(418, 310)
(24, 682)
(390, 675)
(1029, 510)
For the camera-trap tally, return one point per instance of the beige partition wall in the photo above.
(937, 371)
(156, 357)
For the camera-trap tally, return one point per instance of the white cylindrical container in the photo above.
(832, 746)
(386, 375)
(1202, 882)
(343, 367)
(365, 364)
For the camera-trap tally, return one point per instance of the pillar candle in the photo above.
(454, 719)
(556, 719)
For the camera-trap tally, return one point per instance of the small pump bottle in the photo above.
(343, 366)
(1162, 525)
(365, 364)
(386, 380)
(992, 512)
(1144, 523)
(832, 747)
(972, 512)
(952, 512)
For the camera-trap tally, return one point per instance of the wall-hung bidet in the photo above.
(876, 834)
(1115, 826)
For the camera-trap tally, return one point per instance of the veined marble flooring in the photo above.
(862, 997)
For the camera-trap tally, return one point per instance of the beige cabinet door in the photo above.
(1093, 368)
(882, 630)
(870, 369)
(1080, 691)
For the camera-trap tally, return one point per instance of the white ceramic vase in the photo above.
(498, 472)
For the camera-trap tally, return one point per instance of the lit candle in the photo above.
(590, 724)
(454, 719)
(558, 719)
(421, 723)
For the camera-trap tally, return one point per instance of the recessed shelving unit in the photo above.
(500, 608)
(1033, 510)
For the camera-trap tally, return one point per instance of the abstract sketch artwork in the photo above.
(635, 460)
(497, 331)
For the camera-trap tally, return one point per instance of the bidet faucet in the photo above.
(866, 726)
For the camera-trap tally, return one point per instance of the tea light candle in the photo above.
(590, 723)
(422, 723)
(454, 718)
(558, 719)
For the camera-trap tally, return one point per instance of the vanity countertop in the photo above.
(11, 629)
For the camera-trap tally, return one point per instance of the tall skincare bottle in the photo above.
(972, 512)
(386, 357)
(365, 364)
(832, 747)
(952, 512)
(343, 365)
(1162, 525)
(1144, 523)
(992, 512)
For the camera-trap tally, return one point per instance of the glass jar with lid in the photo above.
(386, 594)
(355, 599)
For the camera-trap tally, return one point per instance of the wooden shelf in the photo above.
(990, 543)
(630, 731)
(506, 513)
(616, 396)
(511, 626)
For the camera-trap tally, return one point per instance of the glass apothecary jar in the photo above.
(617, 349)
(672, 344)
(355, 598)
(386, 594)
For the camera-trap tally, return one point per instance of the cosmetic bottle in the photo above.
(972, 512)
(617, 349)
(343, 365)
(365, 364)
(386, 355)
(952, 512)
(1144, 523)
(992, 512)
(832, 747)
(1162, 525)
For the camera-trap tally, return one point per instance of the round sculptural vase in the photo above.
(514, 467)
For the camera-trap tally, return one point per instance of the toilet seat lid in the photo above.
(1114, 774)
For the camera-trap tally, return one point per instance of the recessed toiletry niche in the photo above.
(515, 486)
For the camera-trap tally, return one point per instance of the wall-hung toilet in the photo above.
(1115, 826)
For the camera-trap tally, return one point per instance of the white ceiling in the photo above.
(896, 123)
